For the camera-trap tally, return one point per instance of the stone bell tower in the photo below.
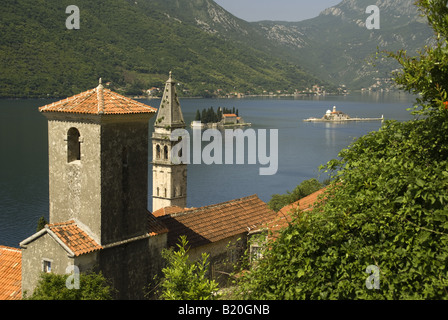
(169, 179)
(98, 151)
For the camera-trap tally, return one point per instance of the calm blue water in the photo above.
(303, 147)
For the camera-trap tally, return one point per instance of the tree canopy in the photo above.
(211, 116)
(386, 207)
(184, 279)
(278, 201)
(92, 286)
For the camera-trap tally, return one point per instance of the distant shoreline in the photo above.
(235, 98)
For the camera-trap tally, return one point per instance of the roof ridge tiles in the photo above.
(218, 206)
(95, 102)
(60, 224)
(219, 221)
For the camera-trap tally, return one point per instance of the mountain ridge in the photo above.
(132, 45)
(335, 46)
(341, 30)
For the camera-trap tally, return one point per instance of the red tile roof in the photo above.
(77, 242)
(229, 115)
(10, 273)
(98, 101)
(217, 222)
(74, 238)
(167, 211)
(284, 216)
(155, 227)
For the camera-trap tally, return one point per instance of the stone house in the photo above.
(221, 230)
(229, 119)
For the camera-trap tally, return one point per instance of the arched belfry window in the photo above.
(158, 152)
(165, 152)
(73, 145)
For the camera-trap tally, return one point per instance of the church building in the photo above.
(98, 143)
(98, 180)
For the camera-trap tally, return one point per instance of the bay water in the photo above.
(302, 148)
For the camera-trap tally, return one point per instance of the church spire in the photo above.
(169, 178)
(170, 113)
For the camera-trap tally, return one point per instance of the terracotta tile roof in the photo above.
(217, 222)
(230, 115)
(168, 210)
(284, 216)
(74, 238)
(98, 101)
(155, 227)
(10, 273)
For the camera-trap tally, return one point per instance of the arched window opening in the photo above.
(165, 152)
(180, 153)
(158, 152)
(73, 145)
(165, 193)
(158, 192)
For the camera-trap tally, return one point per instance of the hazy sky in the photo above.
(284, 10)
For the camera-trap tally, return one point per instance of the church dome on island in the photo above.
(339, 116)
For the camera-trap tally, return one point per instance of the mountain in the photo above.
(133, 45)
(337, 44)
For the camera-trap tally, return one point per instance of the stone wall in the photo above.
(106, 189)
(225, 255)
(132, 266)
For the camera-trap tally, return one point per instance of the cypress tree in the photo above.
(198, 116)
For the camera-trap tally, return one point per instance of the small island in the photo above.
(338, 116)
(208, 119)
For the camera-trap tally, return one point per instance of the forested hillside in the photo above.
(133, 45)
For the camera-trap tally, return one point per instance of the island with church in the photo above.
(223, 118)
(339, 116)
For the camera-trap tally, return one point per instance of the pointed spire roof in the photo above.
(98, 101)
(170, 113)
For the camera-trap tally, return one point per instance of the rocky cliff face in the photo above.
(205, 14)
(337, 44)
(349, 8)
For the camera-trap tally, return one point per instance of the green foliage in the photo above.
(389, 211)
(41, 224)
(211, 116)
(304, 189)
(427, 74)
(198, 116)
(186, 280)
(387, 206)
(52, 286)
